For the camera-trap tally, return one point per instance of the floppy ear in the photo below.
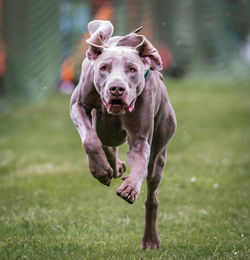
(150, 55)
(100, 31)
(146, 50)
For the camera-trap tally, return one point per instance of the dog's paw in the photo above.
(129, 190)
(150, 241)
(101, 170)
(121, 168)
(150, 244)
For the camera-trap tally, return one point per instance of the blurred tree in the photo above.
(32, 38)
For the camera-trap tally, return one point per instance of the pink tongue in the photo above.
(131, 107)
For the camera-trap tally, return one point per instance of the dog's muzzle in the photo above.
(117, 106)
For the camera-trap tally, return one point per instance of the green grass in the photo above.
(52, 208)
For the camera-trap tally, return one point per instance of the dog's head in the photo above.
(120, 64)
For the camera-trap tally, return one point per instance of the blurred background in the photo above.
(50, 205)
(42, 43)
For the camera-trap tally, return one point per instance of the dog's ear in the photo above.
(146, 50)
(131, 40)
(100, 31)
(150, 55)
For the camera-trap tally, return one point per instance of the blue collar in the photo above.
(146, 74)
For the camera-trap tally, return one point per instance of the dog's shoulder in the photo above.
(85, 91)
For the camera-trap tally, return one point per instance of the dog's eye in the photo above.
(132, 69)
(103, 68)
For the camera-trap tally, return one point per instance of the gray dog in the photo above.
(121, 97)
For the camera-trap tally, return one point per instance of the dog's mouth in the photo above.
(116, 102)
(118, 106)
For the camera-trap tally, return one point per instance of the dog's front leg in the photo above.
(98, 164)
(138, 157)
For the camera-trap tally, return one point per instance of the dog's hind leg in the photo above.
(112, 156)
(151, 238)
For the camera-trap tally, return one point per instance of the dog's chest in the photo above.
(109, 128)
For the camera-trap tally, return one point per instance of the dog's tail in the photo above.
(137, 30)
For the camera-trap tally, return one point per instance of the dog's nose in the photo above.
(117, 91)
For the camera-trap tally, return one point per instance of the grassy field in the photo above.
(52, 208)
